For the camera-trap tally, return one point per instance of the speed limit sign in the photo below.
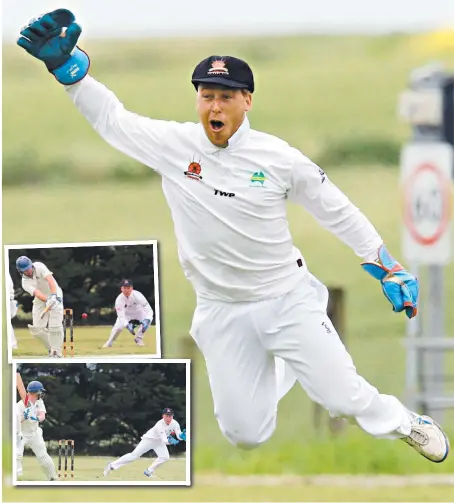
(426, 183)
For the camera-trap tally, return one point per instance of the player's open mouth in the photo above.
(216, 125)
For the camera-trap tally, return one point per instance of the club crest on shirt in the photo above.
(194, 170)
(257, 179)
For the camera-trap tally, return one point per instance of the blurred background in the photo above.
(106, 408)
(328, 79)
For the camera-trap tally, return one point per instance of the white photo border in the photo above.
(95, 483)
(153, 242)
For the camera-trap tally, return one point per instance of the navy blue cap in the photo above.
(225, 71)
(167, 411)
(126, 282)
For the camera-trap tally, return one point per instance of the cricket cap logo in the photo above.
(258, 179)
(218, 68)
(194, 170)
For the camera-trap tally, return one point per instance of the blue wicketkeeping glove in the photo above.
(172, 440)
(130, 327)
(44, 39)
(145, 324)
(183, 435)
(399, 286)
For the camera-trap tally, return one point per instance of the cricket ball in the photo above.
(85, 316)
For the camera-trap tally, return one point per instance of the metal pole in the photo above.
(433, 359)
(413, 370)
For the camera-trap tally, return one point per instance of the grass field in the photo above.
(313, 91)
(90, 468)
(88, 341)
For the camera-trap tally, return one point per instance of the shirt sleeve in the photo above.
(177, 429)
(311, 188)
(163, 436)
(28, 286)
(41, 270)
(40, 406)
(120, 309)
(11, 288)
(136, 136)
(145, 305)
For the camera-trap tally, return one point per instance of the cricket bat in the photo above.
(21, 389)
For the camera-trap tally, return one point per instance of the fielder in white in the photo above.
(165, 432)
(227, 186)
(13, 312)
(47, 310)
(31, 434)
(131, 305)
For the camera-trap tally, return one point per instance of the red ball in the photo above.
(85, 315)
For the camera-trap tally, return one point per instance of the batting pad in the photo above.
(48, 466)
(42, 334)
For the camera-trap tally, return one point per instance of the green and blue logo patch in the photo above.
(257, 179)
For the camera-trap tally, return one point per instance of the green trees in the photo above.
(106, 408)
(90, 277)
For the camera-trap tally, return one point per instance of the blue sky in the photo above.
(135, 18)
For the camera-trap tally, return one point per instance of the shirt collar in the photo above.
(241, 133)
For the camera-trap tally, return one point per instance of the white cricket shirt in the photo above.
(11, 288)
(229, 204)
(135, 306)
(161, 431)
(30, 427)
(37, 281)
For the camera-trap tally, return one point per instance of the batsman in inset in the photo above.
(227, 186)
(40, 283)
(31, 411)
(133, 313)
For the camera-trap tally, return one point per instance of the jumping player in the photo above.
(47, 311)
(131, 305)
(31, 434)
(165, 432)
(227, 186)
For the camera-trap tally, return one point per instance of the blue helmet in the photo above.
(23, 264)
(35, 387)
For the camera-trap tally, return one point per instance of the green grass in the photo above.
(90, 468)
(373, 332)
(313, 91)
(88, 341)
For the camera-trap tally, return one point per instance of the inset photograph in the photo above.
(85, 300)
(125, 423)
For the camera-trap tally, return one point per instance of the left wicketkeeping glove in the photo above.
(172, 440)
(45, 39)
(145, 324)
(399, 286)
(183, 435)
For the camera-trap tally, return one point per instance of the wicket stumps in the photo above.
(66, 449)
(68, 323)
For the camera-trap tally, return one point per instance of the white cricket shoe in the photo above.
(139, 341)
(428, 438)
(107, 469)
(150, 474)
(107, 345)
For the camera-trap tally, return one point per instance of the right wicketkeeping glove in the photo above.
(45, 39)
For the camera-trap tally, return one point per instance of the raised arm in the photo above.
(52, 39)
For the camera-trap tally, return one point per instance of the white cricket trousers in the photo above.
(240, 341)
(145, 445)
(37, 445)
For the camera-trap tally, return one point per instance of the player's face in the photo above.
(29, 272)
(221, 111)
(33, 396)
(127, 290)
(167, 418)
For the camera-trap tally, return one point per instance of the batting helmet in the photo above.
(23, 264)
(35, 387)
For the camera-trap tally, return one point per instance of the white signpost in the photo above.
(426, 184)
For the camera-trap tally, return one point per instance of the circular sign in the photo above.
(427, 204)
